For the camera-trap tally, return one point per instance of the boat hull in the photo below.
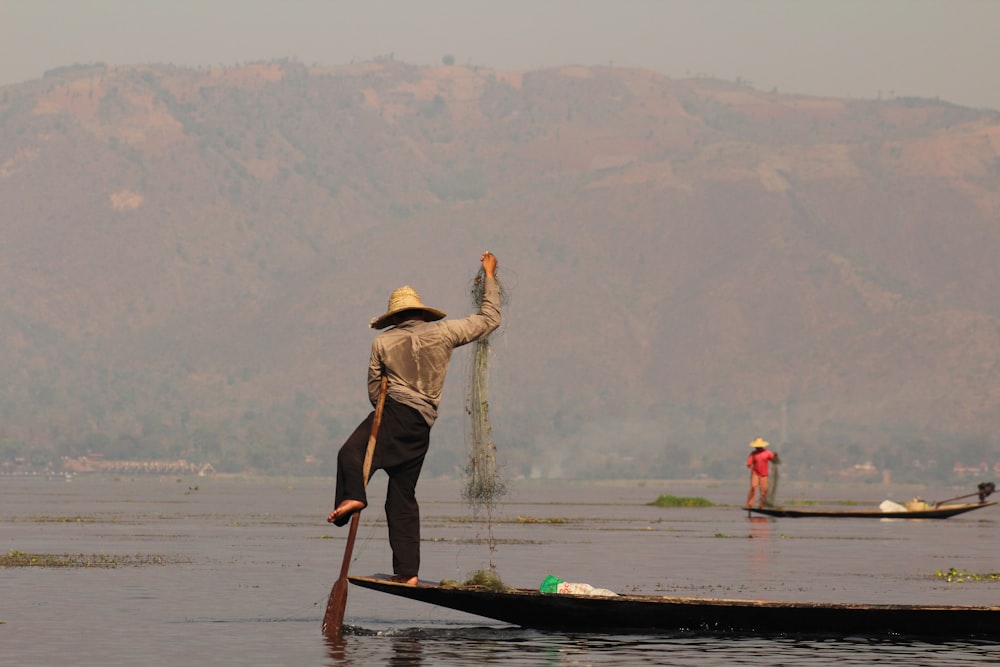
(942, 512)
(642, 613)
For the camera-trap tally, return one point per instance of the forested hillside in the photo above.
(191, 257)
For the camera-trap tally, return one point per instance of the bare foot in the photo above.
(403, 579)
(344, 511)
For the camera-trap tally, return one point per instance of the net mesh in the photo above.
(484, 484)
(772, 492)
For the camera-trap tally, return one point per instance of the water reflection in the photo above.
(479, 646)
(357, 646)
(406, 652)
(762, 548)
(336, 647)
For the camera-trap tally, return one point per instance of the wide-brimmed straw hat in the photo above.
(759, 442)
(404, 298)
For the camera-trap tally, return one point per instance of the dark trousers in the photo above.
(400, 448)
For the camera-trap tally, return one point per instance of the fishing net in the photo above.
(772, 492)
(484, 485)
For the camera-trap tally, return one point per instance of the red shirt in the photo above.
(758, 461)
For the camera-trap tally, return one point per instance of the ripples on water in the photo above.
(477, 646)
(250, 564)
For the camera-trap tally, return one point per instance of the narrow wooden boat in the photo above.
(651, 613)
(938, 512)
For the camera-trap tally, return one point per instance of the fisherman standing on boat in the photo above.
(758, 462)
(414, 355)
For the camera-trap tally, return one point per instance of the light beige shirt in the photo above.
(415, 355)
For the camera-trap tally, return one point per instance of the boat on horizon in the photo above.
(939, 512)
(914, 509)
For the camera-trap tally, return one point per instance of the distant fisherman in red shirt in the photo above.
(758, 463)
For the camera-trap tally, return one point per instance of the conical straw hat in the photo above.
(759, 442)
(404, 298)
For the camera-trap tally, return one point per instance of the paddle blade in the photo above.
(333, 620)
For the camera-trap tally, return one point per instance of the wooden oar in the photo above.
(333, 620)
(984, 491)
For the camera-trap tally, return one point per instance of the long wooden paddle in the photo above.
(333, 620)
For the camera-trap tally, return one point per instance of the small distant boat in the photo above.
(938, 512)
(653, 613)
(916, 509)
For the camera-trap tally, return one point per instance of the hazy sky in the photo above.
(846, 48)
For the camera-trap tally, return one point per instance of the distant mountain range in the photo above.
(190, 258)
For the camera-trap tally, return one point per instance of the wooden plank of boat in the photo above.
(941, 512)
(646, 613)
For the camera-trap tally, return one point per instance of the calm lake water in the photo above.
(248, 565)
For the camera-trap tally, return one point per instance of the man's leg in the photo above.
(753, 487)
(350, 496)
(402, 457)
(403, 516)
(763, 492)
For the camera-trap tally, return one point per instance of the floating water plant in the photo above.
(488, 579)
(532, 519)
(23, 559)
(954, 576)
(675, 501)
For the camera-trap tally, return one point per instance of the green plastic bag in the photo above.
(550, 584)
